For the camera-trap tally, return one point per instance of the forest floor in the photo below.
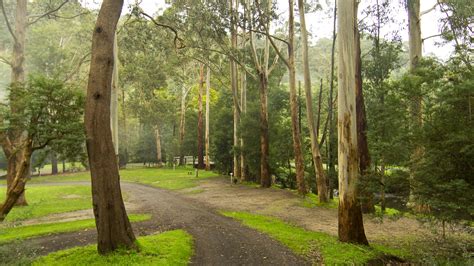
(219, 240)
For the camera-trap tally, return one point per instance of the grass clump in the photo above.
(305, 242)
(24, 232)
(168, 248)
(44, 200)
(311, 201)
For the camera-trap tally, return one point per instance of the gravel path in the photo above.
(218, 240)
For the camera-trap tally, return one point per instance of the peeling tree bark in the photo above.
(351, 227)
(113, 226)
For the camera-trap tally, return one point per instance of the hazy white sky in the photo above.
(320, 23)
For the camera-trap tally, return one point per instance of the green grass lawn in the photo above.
(311, 201)
(306, 243)
(44, 200)
(166, 178)
(23, 232)
(168, 248)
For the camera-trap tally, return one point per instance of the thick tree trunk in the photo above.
(315, 150)
(113, 226)
(265, 179)
(200, 132)
(16, 187)
(208, 100)
(159, 158)
(299, 161)
(351, 227)
(367, 203)
(54, 163)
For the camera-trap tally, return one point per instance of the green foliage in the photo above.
(48, 110)
(45, 200)
(306, 242)
(168, 248)
(443, 175)
(23, 232)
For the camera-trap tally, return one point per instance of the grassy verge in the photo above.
(24, 232)
(166, 178)
(169, 248)
(44, 200)
(314, 244)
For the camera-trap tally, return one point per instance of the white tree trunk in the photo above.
(351, 228)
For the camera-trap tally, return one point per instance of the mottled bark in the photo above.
(299, 161)
(243, 103)
(200, 151)
(315, 150)
(113, 226)
(350, 223)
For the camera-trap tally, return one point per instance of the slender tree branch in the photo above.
(429, 10)
(6, 21)
(38, 17)
(6, 61)
(178, 42)
(432, 36)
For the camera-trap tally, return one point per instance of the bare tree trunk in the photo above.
(415, 51)
(315, 150)
(159, 158)
(114, 101)
(331, 140)
(351, 227)
(17, 77)
(113, 226)
(17, 186)
(208, 100)
(182, 123)
(125, 131)
(200, 152)
(265, 179)
(299, 161)
(54, 163)
(234, 83)
(243, 103)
